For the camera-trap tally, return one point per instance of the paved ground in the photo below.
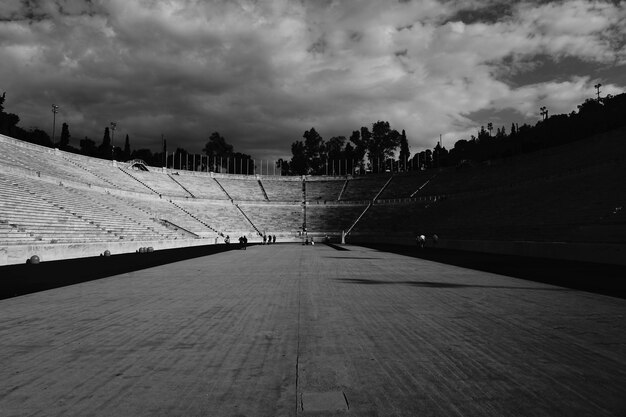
(290, 330)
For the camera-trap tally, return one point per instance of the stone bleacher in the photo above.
(160, 182)
(364, 188)
(201, 185)
(50, 197)
(28, 218)
(404, 185)
(324, 190)
(331, 219)
(45, 161)
(275, 218)
(222, 216)
(573, 208)
(242, 189)
(283, 190)
(119, 220)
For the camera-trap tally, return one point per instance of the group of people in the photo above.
(243, 242)
(421, 240)
(268, 239)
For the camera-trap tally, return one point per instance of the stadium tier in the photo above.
(60, 205)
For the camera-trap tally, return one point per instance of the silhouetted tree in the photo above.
(404, 150)
(383, 144)
(126, 154)
(314, 150)
(88, 147)
(64, 141)
(105, 149)
(8, 121)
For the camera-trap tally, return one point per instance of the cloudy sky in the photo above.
(263, 72)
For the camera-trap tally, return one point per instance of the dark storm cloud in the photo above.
(261, 73)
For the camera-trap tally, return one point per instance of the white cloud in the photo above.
(263, 72)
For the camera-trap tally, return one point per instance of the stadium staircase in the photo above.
(181, 186)
(369, 205)
(224, 190)
(139, 181)
(196, 218)
(263, 189)
(177, 228)
(345, 184)
(358, 218)
(248, 219)
(95, 174)
(422, 186)
(166, 223)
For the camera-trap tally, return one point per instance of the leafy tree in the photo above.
(314, 150)
(143, 154)
(283, 166)
(8, 121)
(383, 143)
(334, 147)
(217, 147)
(298, 164)
(88, 147)
(360, 148)
(39, 137)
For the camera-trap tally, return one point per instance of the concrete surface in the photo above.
(290, 330)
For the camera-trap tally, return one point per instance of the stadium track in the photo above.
(289, 330)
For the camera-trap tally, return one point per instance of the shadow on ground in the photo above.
(28, 278)
(430, 284)
(586, 276)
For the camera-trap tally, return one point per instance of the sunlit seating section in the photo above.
(275, 219)
(364, 188)
(323, 190)
(45, 161)
(200, 185)
(159, 182)
(331, 218)
(224, 217)
(99, 209)
(283, 190)
(404, 185)
(242, 189)
(110, 176)
(162, 209)
(11, 234)
(26, 218)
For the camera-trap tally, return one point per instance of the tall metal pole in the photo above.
(55, 110)
(597, 87)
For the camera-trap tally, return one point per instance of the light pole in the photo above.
(597, 87)
(113, 126)
(544, 112)
(55, 110)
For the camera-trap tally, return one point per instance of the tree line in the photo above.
(382, 148)
(377, 148)
(218, 155)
